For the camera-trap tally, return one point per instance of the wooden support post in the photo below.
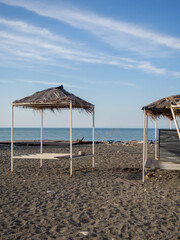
(41, 150)
(93, 164)
(170, 124)
(175, 121)
(12, 136)
(156, 157)
(144, 137)
(70, 138)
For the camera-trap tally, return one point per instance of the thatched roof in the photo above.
(162, 107)
(53, 98)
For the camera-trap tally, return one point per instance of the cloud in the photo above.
(24, 48)
(176, 74)
(5, 81)
(49, 83)
(150, 68)
(40, 82)
(34, 30)
(105, 83)
(127, 84)
(116, 33)
(33, 48)
(39, 45)
(30, 48)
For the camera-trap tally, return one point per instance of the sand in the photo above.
(108, 203)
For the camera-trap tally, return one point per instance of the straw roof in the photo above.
(53, 98)
(162, 107)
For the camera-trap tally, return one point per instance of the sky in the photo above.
(119, 55)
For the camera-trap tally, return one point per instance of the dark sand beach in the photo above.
(108, 203)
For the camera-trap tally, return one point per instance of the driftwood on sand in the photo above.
(45, 142)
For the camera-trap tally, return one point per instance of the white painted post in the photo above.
(170, 124)
(144, 137)
(156, 158)
(70, 138)
(93, 138)
(41, 150)
(12, 137)
(175, 121)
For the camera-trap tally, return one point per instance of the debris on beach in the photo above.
(80, 153)
(149, 175)
(86, 233)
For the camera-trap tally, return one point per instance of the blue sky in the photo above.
(118, 55)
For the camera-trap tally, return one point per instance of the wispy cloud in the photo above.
(176, 74)
(25, 42)
(127, 84)
(39, 82)
(49, 83)
(110, 83)
(33, 48)
(150, 68)
(117, 33)
(5, 81)
(24, 27)
(65, 84)
(30, 48)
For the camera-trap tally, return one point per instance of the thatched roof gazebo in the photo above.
(168, 107)
(56, 98)
(162, 107)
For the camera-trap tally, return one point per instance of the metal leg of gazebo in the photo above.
(93, 141)
(156, 157)
(41, 148)
(146, 136)
(12, 136)
(70, 138)
(145, 141)
(170, 124)
(175, 121)
(144, 147)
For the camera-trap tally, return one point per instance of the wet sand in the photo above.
(109, 202)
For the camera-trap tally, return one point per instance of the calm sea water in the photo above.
(101, 134)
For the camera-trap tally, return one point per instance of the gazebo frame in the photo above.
(145, 138)
(56, 156)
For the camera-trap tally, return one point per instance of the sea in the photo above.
(101, 134)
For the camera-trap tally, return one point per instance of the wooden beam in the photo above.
(175, 121)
